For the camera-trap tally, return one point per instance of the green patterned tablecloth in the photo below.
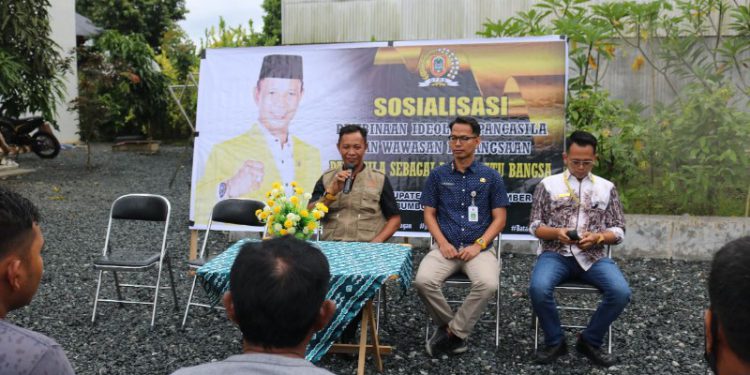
(358, 270)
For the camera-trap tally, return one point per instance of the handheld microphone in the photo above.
(348, 182)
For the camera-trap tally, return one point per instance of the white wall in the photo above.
(62, 21)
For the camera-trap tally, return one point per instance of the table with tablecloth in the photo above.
(358, 271)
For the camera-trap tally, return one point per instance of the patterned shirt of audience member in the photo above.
(589, 205)
(25, 352)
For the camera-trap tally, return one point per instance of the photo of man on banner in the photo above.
(247, 165)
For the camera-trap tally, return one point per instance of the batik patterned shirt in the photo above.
(589, 205)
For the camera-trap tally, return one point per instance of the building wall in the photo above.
(62, 23)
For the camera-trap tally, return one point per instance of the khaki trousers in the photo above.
(483, 271)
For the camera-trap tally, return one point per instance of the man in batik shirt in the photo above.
(576, 215)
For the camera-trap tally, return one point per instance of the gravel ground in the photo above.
(661, 332)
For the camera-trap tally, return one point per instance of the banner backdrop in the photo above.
(405, 94)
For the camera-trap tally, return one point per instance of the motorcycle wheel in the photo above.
(45, 146)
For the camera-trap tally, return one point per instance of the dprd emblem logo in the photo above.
(438, 68)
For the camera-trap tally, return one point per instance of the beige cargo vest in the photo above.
(355, 216)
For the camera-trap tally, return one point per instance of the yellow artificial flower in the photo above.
(276, 209)
(317, 215)
(283, 232)
(270, 202)
(312, 225)
(276, 185)
(258, 212)
(299, 191)
(288, 224)
(263, 215)
(293, 183)
(294, 199)
(304, 213)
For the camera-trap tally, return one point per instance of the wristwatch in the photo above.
(480, 241)
(329, 196)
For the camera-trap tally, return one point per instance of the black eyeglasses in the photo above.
(463, 138)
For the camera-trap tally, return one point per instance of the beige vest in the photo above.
(355, 216)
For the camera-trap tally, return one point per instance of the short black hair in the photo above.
(729, 293)
(278, 286)
(17, 218)
(352, 128)
(475, 128)
(582, 139)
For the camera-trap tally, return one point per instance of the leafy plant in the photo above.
(148, 18)
(31, 64)
(121, 88)
(689, 154)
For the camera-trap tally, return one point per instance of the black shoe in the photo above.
(551, 353)
(595, 355)
(456, 345)
(437, 342)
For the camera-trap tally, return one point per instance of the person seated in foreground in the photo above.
(464, 209)
(728, 318)
(367, 213)
(575, 215)
(21, 267)
(277, 297)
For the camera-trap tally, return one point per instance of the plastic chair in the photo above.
(572, 287)
(135, 208)
(460, 279)
(228, 211)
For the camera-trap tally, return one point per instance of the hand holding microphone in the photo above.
(343, 180)
(349, 179)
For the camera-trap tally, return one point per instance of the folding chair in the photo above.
(573, 287)
(135, 208)
(460, 279)
(228, 211)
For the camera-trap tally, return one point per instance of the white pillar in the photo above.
(62, 19)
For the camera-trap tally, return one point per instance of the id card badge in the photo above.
(473, 214)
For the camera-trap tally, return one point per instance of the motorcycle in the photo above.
(18, 131)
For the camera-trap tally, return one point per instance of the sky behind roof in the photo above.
(202, 14)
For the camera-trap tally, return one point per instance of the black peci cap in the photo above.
(281, 66)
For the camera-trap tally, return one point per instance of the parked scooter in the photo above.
(18, 132)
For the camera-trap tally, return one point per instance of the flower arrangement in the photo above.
(290, 215)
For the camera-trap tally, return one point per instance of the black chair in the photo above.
(228, 211)
(460, 279)
(135, 208)
(573, 287)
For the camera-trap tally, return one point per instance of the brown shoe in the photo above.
(551, 353)
(595, 355)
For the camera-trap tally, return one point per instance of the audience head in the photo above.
(277, 292)
(21, 242)
(728, 317)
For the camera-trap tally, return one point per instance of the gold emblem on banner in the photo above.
(438, 68)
